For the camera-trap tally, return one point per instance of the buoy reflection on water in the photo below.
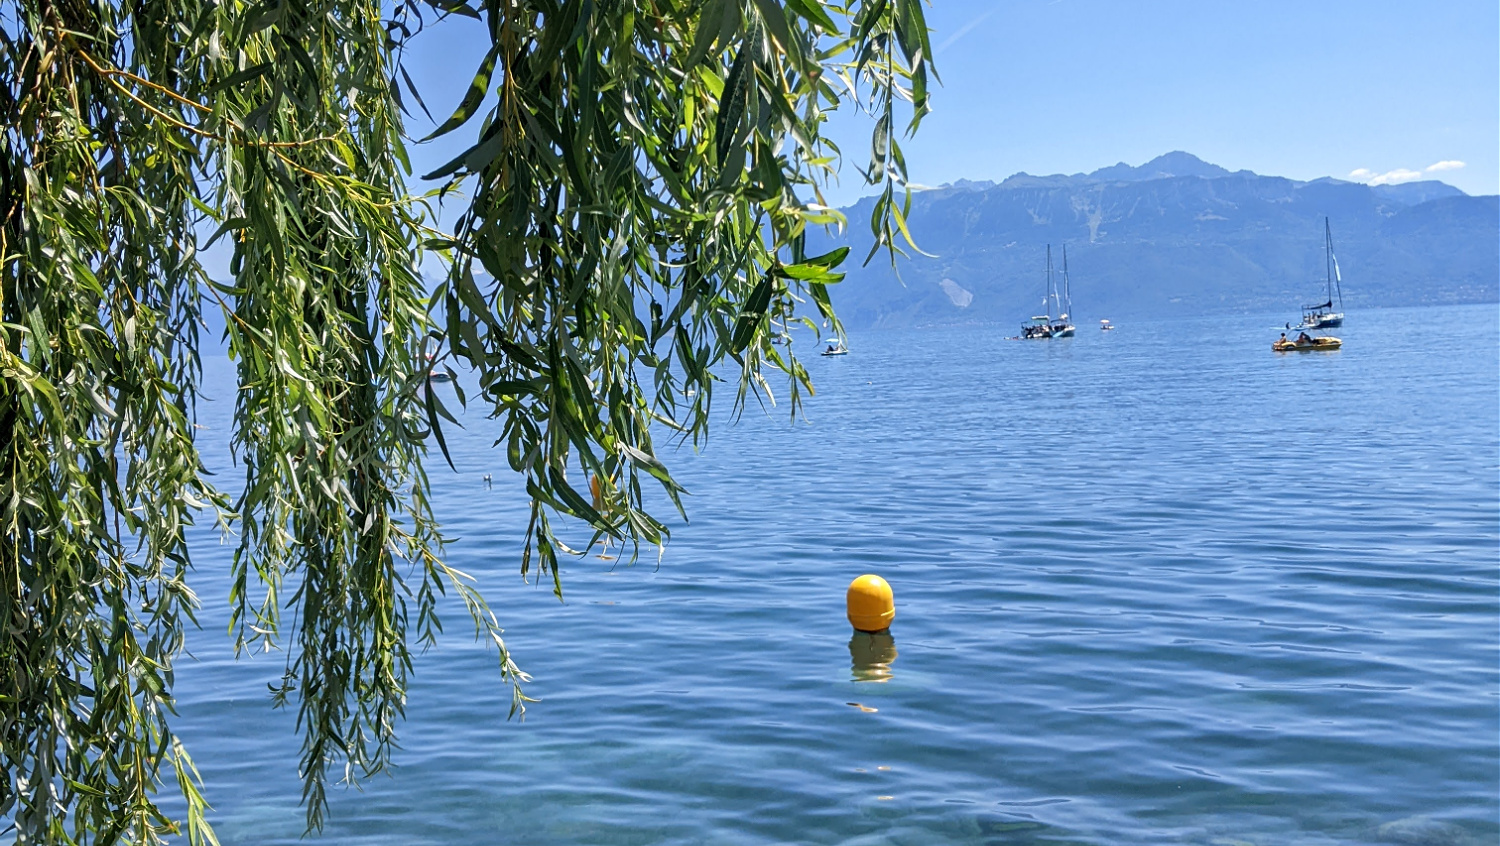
(872, 654)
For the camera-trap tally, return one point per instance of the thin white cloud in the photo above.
(962, 31)
(1401, 174)
(1390, 177)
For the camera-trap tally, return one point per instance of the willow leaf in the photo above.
(469, 105)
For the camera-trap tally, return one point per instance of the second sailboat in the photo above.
(1045, 325)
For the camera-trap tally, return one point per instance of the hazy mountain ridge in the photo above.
(1174, 236)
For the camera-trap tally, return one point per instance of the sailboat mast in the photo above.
(1328, 256)
(1067, 289)
(1050, 295)
(1333, 281)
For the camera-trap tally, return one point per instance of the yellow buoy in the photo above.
(872, 606)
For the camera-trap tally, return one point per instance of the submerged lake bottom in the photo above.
(1154, 585)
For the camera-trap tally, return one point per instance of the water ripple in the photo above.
(1154, 586)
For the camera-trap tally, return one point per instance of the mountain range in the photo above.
(1174, 236)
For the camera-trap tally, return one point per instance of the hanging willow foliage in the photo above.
(634, 206)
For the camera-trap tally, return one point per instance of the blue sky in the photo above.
(1296, 89)
(1370, 91)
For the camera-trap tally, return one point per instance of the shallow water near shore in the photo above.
(1156, 585)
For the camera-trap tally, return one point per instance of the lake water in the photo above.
(1157, 585)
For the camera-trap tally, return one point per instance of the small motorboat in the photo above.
(1308, 345)
(1106, 326)
(437, 374)
(1039, 327)
(836, 348)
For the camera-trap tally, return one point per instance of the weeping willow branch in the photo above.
(639, 190)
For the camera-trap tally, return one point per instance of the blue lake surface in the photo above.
(1157, 585)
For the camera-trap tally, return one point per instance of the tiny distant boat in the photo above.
(836, 348)
(1323, 315)
(1106, 326)
(1306, 344)
(437, 374)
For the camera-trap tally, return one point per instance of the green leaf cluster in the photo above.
(632, 215)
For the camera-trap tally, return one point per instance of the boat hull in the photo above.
(1323, 321)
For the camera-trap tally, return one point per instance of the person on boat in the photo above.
(1304, 338)
(1283, 338)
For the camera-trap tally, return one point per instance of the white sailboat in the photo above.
(1061, 328)
(1323, 315)
(1045, 325)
